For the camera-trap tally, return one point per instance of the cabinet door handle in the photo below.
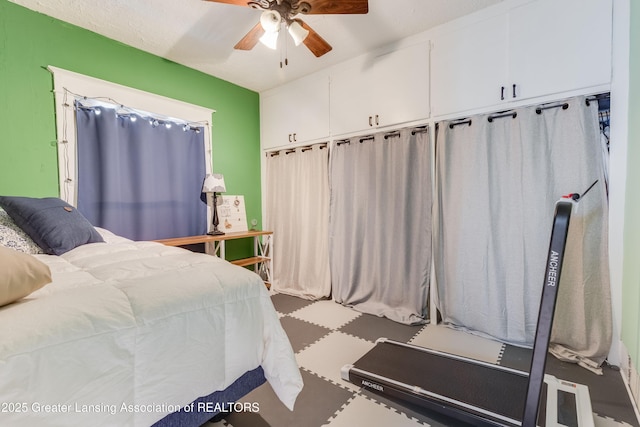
(501, 93)
(370, 121)
(514, 90)
(290, 138)
(294, 138)
(377, 120)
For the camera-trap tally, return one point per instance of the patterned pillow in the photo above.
(56, 226)
(12, 236)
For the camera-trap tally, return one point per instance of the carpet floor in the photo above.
(325, 336)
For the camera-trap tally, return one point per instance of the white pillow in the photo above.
(21, 275)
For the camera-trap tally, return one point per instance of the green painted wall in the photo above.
(30, 41)
(631, 272)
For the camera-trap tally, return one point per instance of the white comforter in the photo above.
(128, 332)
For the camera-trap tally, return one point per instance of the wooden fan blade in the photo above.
(252, 38)
(338, 7)
(316, 44)
(236, 2)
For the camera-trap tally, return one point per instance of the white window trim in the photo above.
(66, 84)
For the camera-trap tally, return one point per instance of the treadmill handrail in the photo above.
(553, 269)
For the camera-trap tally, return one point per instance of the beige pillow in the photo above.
(20, 274)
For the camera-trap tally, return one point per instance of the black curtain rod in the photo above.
(310, 147)
(391, 134)
(367, 138)
(540, 109)
(461, 122)
(293, 150)
(499, 116)
(597, 97)
(342, 141)
(420, 129)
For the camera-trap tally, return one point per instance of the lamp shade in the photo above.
(270, 40)
(214, 183)
(297, 32)
(270, 21)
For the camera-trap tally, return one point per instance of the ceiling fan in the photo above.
(283, 12)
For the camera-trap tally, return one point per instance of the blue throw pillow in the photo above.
(53, 224)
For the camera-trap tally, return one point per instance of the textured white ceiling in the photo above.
(201, 34)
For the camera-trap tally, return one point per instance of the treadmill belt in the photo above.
(489, 388)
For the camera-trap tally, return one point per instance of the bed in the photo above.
(136, 334)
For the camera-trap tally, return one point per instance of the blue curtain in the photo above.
(139, 177)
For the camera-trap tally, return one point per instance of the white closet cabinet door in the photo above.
(295, 113)
(308, 106)
(351, 98)
(384, 90)
(274, 123)
(571, 51)
(469, 67)
(401, 86)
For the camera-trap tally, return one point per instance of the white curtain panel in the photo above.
(497, 186)
(297, 211)
(380, 228)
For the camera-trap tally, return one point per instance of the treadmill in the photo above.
(480, 393)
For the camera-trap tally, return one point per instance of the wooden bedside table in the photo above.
(262, 244)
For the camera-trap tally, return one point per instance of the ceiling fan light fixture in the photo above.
(270, 40)
(297, 32)
(270, 21)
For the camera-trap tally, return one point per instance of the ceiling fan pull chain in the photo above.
(282, 56)
(286, 52)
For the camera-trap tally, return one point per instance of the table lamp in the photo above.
(214, 183)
